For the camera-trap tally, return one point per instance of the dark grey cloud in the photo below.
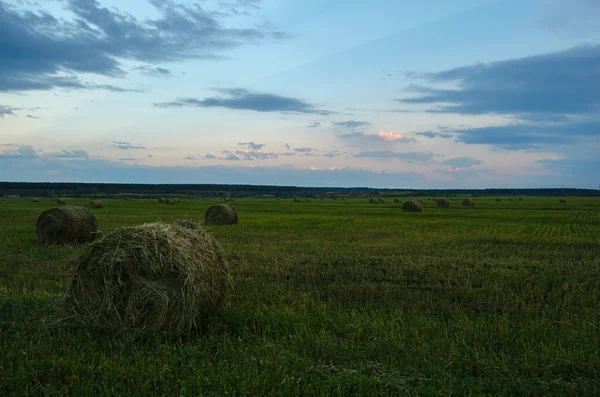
(127, 159)
(7, 111)
(304, 149)
(20, 152)
(31, 117)
(41, 51)
(315, 124)
(153, 71)
(241, 99)
(190, 158)
(409, 157)
(126, 145)
(287, 146)
(565, 83)
(231, 157)
(431, 134)
(71, 154)
(209, 156)
(532, 136)
(331, 154)
(461, 162)
(252, 145)
(352, 124)
(255, 155)
(150, 156)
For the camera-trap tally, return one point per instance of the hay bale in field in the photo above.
(150, 278)
(221, 214)
(296, 200)
(127, 198)
(443, 203)
(34, 200)
(96, 204)
(372, 201)
(468, 203)
(412, 206)
(397, 201)
(65, 225)
(61, 201)
(162, 200)
(498, 199)
(520, 198)
(562, 201)
(380, 201)
(188, 224)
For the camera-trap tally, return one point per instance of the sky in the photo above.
(384, 93)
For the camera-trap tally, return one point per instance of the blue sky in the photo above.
(386, 93)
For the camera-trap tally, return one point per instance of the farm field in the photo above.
(333, 298)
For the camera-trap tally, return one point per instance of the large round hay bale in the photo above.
(65, 225)
(96, 204)
(442, 203)
(162, 200)
(147, 278)
(412, 206)
(221, 214)
(372, 201)
(397, 201)
(468, 203)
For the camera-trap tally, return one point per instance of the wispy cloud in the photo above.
(241, 99)
(380, 137)
(352, 124)
(409, 157)
(315, 124)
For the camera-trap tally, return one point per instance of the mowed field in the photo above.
(333, 298)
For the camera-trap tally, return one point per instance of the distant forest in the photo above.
(45, 189)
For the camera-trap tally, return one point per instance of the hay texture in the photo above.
(468, 203)
(412, 206)
(148, 278)
(442, 203)
(66, 225)
(221, 214)
(96, 204)
(188, 224)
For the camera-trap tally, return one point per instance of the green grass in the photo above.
(334, 298)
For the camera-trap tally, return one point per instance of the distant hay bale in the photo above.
(96, 204)
(221, 214)
(307, 200)
(188, 224)
(397, 201)
(65, 225)
(442, 203)
(520, 198)
(468, 203)
(162, 200)
(510, 199)
(145, 279)
(562, 201)
(34, 200)
(127, 198)
(296, 200)
(498, 199)
(372, 201)
(380, 201)
(61, 201)
(412, 206)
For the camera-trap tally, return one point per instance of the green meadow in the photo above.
(332, 297)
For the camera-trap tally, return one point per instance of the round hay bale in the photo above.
(145, 279)
(188, 224)
(380, 201)
(34, 200)
(221, 214)
(397, 201)
(520, 198)
(468, 203)
(412, 206)
(96, 204)
(498, 199)
(61, 201)
(442, 203)
(562, 201)
(296, 200)
(372, 201)
(66, 225)
(162, 200)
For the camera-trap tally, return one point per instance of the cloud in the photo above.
(331, 154)
(380, 137)
(27, 151)
(252, 145)
(532, 136)
(209, 156)
(41, 51)
(315, 124)
(352, 124)
(153, 71)
(462, 162)
(150, 156)
(304, 149)
(409, 157)
(7, 110)
(564, 82)
(431, 134)
(190, 158)
(71, 154)
(126, 145)
(20, 152)
(127, 159)
(241, 99)
(31, 117)
(230, 156)
(287, 146)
